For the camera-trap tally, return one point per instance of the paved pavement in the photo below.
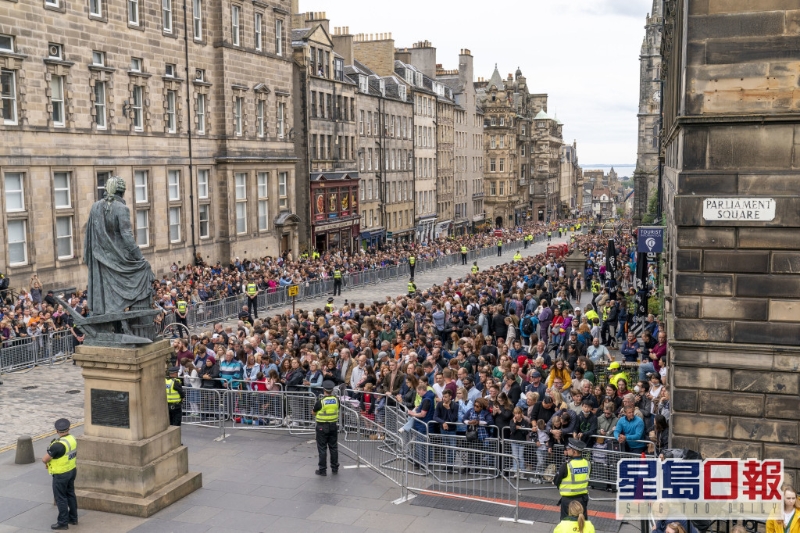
(253, 481)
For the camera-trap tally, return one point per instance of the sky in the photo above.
(583, 53)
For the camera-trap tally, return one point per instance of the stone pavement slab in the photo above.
(357, 500)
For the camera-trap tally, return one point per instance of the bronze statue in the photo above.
(120, 284)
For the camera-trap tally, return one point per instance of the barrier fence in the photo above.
(24, 353)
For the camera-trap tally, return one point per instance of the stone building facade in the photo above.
(571, 175)
(546, 161)
(645, 176)
(733, 290)
(468, 144)
(95, 89)
(326, 144)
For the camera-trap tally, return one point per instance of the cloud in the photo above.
(624, 8)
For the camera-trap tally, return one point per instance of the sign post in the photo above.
(293, 291)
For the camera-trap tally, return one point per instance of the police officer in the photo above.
(175, 395)
(475, 268)
(326, 411)
(61, 461)
(337, 281)
(329, 306)
(412, 287)
(464, 251)
(252, 298)
(412, 264)
(517, 257)
(572, 479)
(181, 309)
(499, 248)
(549, 235)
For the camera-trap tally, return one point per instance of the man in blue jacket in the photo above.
(630, 431)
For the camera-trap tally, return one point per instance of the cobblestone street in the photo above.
(31, 401)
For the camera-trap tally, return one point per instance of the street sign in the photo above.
(651, 240)
(293, 291)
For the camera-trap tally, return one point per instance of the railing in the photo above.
(24, 353)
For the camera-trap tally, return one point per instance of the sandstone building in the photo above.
(196, 119)
(731, 131)
(645, 176)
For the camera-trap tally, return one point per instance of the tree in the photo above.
(652, 207)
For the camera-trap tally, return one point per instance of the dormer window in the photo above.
(382, 87)
(401, 92)
(338, 69)
(409, 77)
(363, 83)
(418, 79)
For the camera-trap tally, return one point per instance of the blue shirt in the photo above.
(633, 431)
(230, 371)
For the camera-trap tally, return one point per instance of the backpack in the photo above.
(475, 310)
(527, 326)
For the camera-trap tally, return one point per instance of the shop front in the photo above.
(372, 239)
(425, 228)
(335, 222)
(443, 228)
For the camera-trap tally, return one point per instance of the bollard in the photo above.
(24, 451)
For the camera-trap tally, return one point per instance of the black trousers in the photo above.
(565, 501)
(175, 414)
(252, 304)
(411, 269)
(337, 287)
(64, 493)
(327, 439)
(463, 259)
(181, 320)
(499, 251)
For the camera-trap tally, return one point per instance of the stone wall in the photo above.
(732, 130)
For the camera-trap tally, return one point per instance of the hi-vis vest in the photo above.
(252, 290)
(68, 461)
(499, 243)
(577, 480)
(315, 255)
(337, 274)
(182, 305)
(517, 256)
(412, 260)
(411, 288)
(475, 268)
(329, 411)
(595, 287)
(329, 308)
(549, 233)
(605, 314)
(172, 394)
(529, 237)
(464, 249)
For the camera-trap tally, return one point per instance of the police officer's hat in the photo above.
(330, 300)
(173, 369)
(411, 280)
(577, 445)
(328, 385)
(62, 424)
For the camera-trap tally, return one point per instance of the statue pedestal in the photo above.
(130, 460)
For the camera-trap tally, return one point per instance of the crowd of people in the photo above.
(507, 352)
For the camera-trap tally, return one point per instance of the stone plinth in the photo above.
(575, 261)
(131, 461)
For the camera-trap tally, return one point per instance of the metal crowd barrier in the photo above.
(25, 353)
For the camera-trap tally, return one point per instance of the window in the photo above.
(522, 150)
(263, 201)
(170, 114)
(204, 213)
(17, 242)
(369, 190)
(15, 192)
(502, 141)
(61, 190)
(140, 186)
(136, 106)
(6, 43)
(64, 237)
(259, 19)
(338, 69)
(281, 119)
(201, 113)
(100, 104)
(95, 8)
(236, 12)
(174, 224)
(169, 70)
(133, 12)
(53, 3)
(143, 227)
(174, 185)
(8, 96)
(493, 165)
(260, 117)
(197, 19)
(202, 183)
(166, 15)
(101, 179)
(279, 37)
(502, 188)
(136, 64)
(361, 122)
(492, 142)
(283, 178)
(502, 165)
(240, 180)
(98, 58)
(237, 114)
(493, 188)
(57, 99)
(55, 51)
